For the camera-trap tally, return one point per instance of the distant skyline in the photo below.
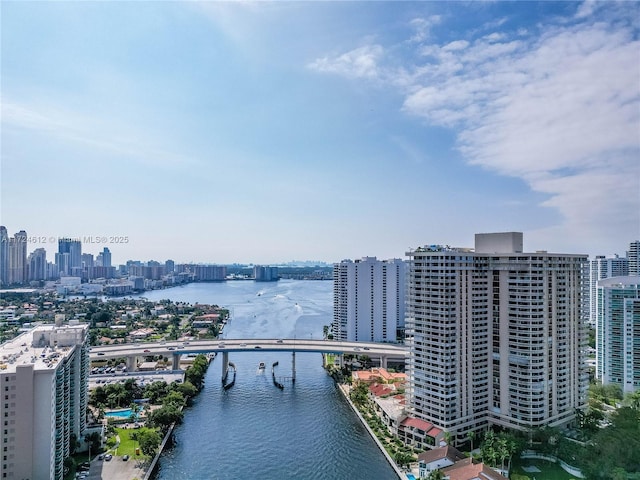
(222, 132)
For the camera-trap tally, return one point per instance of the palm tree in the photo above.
(502, 450)
(471, 435)
(488, 450)
(447, 438)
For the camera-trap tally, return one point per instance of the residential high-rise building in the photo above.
(618, 332)
(18, 258)
(169, 266)
(265, 274)
(74, 249)
(43, 378)
(209, 273)
(38, 265)
(634, 258)
(62, 264)
(4, 257)
(600, 268)
(87, 260)
(369, 300)
(106, 257)
(497, 336)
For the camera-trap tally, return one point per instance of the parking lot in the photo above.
(115, 469)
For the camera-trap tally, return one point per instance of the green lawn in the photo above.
(330, 358)
(127, 444)
(548, 470)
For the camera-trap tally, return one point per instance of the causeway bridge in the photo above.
(174, 349)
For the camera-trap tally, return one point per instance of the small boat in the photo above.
(261, 366)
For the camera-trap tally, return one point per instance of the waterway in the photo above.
(254, 430)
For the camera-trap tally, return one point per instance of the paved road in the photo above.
(116, 469)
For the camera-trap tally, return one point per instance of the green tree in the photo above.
(187, 389)
(174, 398)
(633, 399)
(360, 394)
(164, 417)
(614, 447)
(149, 441)
(471, 435)
(435, 475)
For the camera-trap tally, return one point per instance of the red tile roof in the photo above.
(465, 470)
(447, 451)
(380, 390)
(412, 422)
(434, 432)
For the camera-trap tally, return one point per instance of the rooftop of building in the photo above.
(381, 374)
(418, 423)
(499, 244)
(452, 453)
(627, 281)
(392, 407)
(468, 470)
(44, 346)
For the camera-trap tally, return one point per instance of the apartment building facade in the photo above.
(497, 336)
(43, 383)
(618, 332)
(602, 267)
(369, 300)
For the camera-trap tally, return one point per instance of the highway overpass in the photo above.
(382, 351)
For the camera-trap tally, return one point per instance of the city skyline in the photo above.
(261, 133)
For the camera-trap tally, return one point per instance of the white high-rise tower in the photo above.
(496, 335)
(368, 300)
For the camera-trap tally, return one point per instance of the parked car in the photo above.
(125, 458)
(146, 350)
(108, 457)
(101, 456)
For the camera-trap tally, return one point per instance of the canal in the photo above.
(254, 430)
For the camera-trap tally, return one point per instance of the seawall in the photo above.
(345, 393)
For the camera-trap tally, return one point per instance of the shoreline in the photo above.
(401, 475)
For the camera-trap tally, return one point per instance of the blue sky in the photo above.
(267, 132)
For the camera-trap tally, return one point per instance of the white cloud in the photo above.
(560, 111)
(361, 62)
(423, 26)
(455, 45)
(494, 37)
(586, 9)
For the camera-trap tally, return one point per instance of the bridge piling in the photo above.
(175, 361)
(225, 366)
(383, 361)
(131, 364)
(293, 367)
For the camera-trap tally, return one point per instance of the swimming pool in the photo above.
(411, 476)
(119, 413)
